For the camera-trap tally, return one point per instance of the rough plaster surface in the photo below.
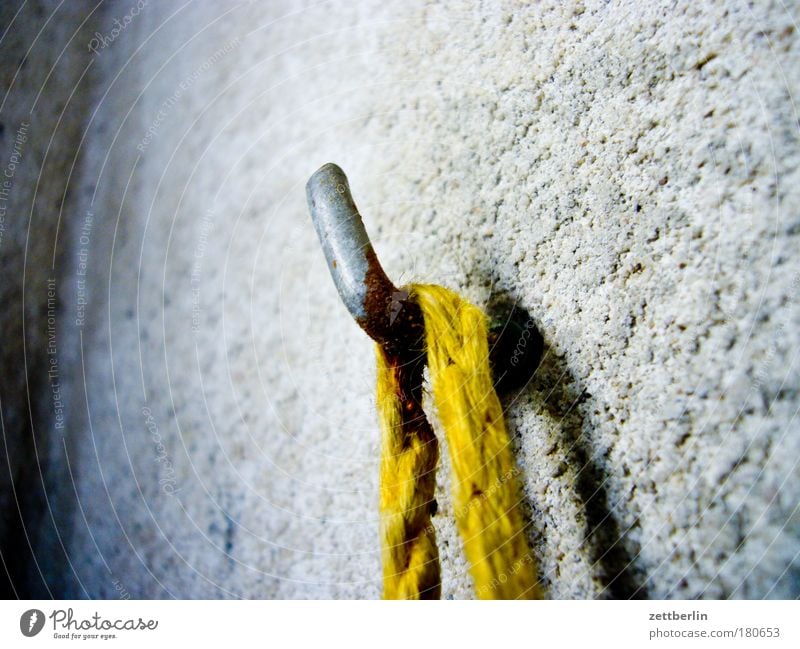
(628, 173)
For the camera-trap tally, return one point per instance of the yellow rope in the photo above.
(486, 491)
(409, 453)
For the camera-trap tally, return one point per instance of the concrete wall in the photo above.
(628, 173)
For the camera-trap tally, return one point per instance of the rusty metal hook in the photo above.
(384, 311)
(381, 309)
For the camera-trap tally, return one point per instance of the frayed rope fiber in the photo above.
(486, 492)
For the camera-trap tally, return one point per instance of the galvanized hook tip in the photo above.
(387, 313)
(362, 284)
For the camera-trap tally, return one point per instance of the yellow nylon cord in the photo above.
(486, 491)
(409, 453)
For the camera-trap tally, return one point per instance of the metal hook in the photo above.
(384, 311)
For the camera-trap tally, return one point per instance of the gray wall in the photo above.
(628, 173)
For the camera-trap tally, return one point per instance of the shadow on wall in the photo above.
(615, 566)
(41, 125)
(552, 391)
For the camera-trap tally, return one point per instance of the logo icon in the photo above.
(31, 622)
(396, 304)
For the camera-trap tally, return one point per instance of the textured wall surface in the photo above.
(626, 172)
